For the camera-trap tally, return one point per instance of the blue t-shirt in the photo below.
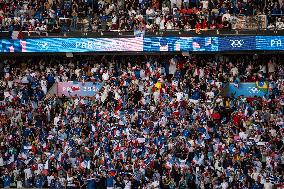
(257, 186)
(91, 184)
(39, 182)
(110, 181)
(6, 181)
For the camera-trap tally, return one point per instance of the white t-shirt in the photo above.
(158, 20)
(94, 70)
(150, 12)
(56, 119)
(16, 172)
(1, 162)
(271, 67)
(76, 101)
(114, 20)
(169, 25)
(162, 24)
(156, 95)
(40, 166)
(204, 4)
(177, 2)
(105, 76)
(28, 173)
(254, 175)
(172, 68)
(165, 10)
(224, 185)
(43, 83)
(179, 96)
(235, 71)
(227, 16)
(62, 181)
(19, 184)
(273, 132)
(77, 72)
(49, 179)
(210, 95)
(70, 181)
(267, 185)
(243, 135)
(262, 68)
(127, 184)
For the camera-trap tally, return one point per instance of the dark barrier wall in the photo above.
(147, 44)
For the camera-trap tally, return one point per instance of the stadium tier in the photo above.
(142, 121)
(126, 15)
(142, 94)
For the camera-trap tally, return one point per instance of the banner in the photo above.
(270, 43)
(146, 44)
(237, 43)
(72, 45)
(78, 88)
(180, 44)
(246, 89)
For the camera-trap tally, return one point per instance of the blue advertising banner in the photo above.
(73, 45)
(258, 89)
(172, 44)
(147, 44)
(270, 43)
(78, 88)
(236, 43)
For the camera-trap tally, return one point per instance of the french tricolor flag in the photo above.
(16, 35)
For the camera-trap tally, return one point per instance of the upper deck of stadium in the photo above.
(123, 18)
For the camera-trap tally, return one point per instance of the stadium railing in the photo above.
(243, 25)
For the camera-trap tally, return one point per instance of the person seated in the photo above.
(226, 24)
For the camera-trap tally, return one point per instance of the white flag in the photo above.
(46, 165)
(11, 159)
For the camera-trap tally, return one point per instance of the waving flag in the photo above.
(11, 159)
(85, 164)
(149, 160)
(262, 86)
(16, 35)
(34, 149)
(170, 162)
(46, 165)
(87, 150)
(23, 155)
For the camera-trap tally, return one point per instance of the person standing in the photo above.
(6, 179)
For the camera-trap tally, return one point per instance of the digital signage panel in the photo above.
(270, 43)
(172, 44)
(236, 43)
(147, 44)
(73, 45)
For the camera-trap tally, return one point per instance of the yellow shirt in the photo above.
(158, 85)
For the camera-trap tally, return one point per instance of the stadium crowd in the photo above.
(157, 122)
(154, 15)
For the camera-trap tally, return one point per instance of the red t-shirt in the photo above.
(216, 116)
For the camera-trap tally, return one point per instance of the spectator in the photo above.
(156, 121)
(226, 24)
(18, 15)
